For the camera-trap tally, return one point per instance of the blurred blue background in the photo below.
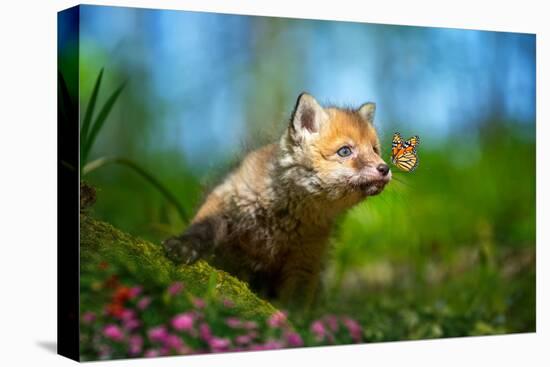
(457, 236)
(208, 82)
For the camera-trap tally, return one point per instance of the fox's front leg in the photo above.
(198, 241)
(299, 280)
(298, 288)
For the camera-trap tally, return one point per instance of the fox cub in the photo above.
(269, 221)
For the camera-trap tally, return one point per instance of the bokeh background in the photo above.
(447, 250)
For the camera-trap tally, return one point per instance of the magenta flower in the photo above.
(173, 342)
(113, 332)
(219, 344)
(134, 292)
(250, 325)
(135, 344)
(157, 334)
(294, 339)
(233, 322)
(278, 319)
(199, 303)
(204, 331)
(144, 303)
(253, 334)
(228, 303)
(270, 344)
(175, 288)
(151, 353)
(183, 321)
(354, 329)
(332, 322)
(273, 344)
(318, 329)
(128, 314)
(243, 339)
(88, 317)
(131, 324)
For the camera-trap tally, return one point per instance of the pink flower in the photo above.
(183, 321)
(175, 288)
(88, 317)
(332, 322)
(233, 322)
(243, 339)
(173, 342)
(271, 344)
(199, 303)
(134, 292)
(128, 314)
(219, 344)
(113, 332)
(151, 353)
(250, 325)
(253, 334)
(354, 329)
(131, 324)
(278, 319)
(318, 329)
(144, 303)
(135, 344)
(205, 332)
(228, 303)
(158, 334)
(294, 339)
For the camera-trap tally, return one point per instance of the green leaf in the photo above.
(99, 122)
(88, 117)
(148, 176)
(66, 107)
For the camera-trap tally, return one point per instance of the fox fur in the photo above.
(269, 221)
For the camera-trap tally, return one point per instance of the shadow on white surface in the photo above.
(50, 346)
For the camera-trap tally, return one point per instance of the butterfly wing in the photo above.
(396, 145)
(411, 144)
(407, 161)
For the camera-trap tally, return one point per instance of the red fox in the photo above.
(269, 221)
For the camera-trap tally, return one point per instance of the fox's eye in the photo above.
(376, 150)
(345, 151)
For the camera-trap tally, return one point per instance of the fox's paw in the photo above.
(184, 249)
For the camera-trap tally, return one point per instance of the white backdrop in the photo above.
(28, 184)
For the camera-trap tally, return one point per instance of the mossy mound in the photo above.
(144, 263)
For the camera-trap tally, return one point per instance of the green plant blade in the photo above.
(169, 196)
(89, 113)
(66, 107)
(99, 122)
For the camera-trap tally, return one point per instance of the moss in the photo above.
(143, 262)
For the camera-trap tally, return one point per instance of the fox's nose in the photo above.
(383, 169)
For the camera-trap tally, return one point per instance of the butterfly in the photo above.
(403, 152)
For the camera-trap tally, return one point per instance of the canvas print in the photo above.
(251, 183)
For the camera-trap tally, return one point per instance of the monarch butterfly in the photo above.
(403, 152)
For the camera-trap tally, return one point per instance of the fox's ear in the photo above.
(366, 111)
(308, 116)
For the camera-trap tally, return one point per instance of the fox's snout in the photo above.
(383, 168)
